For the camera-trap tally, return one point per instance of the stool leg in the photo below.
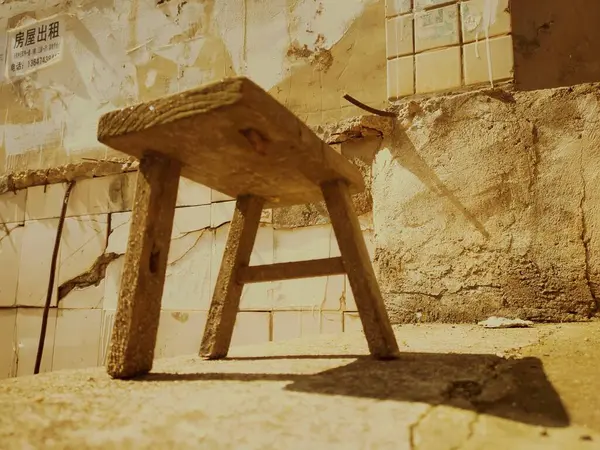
(138, 310)
(373, 315)
(228, 292)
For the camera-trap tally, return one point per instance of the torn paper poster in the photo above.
(503, 322)
(35, 46)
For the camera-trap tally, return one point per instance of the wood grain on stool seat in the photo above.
(235, 138)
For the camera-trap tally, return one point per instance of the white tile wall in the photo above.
(76, 338)
(8, 342)
(12, 206)
(35, 260)
(29, 324)
(83, 241)
(11, 237)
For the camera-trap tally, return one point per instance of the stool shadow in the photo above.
(515, 389)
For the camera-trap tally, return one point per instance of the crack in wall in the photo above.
(585, 240)
(92, 277)
(8, 230)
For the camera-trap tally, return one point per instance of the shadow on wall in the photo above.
(511, 389)
(410, 159)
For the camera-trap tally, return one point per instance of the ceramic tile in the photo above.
(12, 206)
(191, 193)
(188, 276)
(11, 237)
(83, 241)
(475, 57)
(438, 70)
(256, 295)
(179, 333)
(119, 232)
(251, 328)
(112, 284)
(399, 36)
(36, 257)
(352, 322)
(350, 302)
(8, 342)
(437, 28)
(106, 328)
(423, 4)
(300, 244)
(473, 25)
(29, 323)
(395, 7)
(221, 213)
(295, 324)
(77, 339)
(113, 193)
(400, 77)
(216, 196)
(44, 202)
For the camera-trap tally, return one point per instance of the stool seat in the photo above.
(233, 137)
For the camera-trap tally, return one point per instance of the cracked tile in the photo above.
(256, 295)
(12, 206)
(102, 195)
(187, 282)
(29, 324)
(35, 260)
(119, 232)
(222, 213)
(8, 342)
(11, 236)
(76, 338)
(83, 241)
(44, 202)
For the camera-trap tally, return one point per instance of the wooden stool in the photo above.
(233, 137)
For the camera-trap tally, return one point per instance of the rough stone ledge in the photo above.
(14, 181)
(335, 133)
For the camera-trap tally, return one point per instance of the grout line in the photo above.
(463, 81)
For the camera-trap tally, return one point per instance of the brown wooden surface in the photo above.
(228, 291)
(138, 310)
(373, 315)
(235, 138)
(291, 270)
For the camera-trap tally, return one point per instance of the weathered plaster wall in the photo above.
(484, 204)
(306, 53)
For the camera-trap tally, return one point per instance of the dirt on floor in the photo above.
(454, 387)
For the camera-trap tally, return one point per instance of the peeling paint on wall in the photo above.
(119, 53)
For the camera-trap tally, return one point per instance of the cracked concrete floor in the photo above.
(455, 387)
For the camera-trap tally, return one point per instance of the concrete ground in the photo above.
(455, 387)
